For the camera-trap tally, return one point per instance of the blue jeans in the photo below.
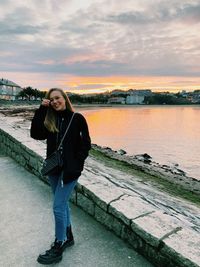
(61, 209)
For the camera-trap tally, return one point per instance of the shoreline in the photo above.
(21, 103)
(145, 165)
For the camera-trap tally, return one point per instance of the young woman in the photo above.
(50, 122)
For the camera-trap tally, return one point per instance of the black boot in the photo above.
(53, 255)
(70, 239)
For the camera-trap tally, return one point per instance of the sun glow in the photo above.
(100, 84)
(86, 85)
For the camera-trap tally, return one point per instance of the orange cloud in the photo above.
(92, 84)
(123, 83)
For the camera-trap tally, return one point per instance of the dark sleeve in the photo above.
(38, 130)
(85, 139)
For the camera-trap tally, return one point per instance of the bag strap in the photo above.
(66, 132)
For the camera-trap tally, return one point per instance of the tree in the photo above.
(160, 99)
(22, 94)
(41, 94)
(29, 92)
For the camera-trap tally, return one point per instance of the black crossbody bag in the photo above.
(54, 163)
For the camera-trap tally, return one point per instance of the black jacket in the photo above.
(76, 144)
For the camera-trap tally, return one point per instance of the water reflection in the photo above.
(167, 133)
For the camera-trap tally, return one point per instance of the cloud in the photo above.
(94, 38)
(172, 11)
(8, 29)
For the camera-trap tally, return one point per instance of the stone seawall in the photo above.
(158, 236)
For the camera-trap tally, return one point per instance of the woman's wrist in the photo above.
(45, 102)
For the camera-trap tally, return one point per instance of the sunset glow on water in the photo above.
(170, 134)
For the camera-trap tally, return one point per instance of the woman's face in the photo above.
(57, 101)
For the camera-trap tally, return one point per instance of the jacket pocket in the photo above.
(75, 165)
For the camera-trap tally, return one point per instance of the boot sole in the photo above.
(46, 262)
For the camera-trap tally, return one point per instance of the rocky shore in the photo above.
(145, 164)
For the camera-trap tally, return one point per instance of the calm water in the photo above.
(170, 134)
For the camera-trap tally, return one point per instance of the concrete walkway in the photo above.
(26, 227)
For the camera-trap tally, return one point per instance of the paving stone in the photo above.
(186, 245)
(153, 227)
(102, 193)
(129, 207)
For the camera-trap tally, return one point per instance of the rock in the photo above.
(148, 161)
(144, 157)
(121, 152)
(94, 145)
(179, 171)
(107, 148)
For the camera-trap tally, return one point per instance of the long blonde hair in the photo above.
(51, 116)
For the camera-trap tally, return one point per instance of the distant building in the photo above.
(137, 96)
(8, 89)
(116, 100)
(195, 97)
(134, 99)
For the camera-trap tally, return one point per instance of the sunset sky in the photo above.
(98, 45)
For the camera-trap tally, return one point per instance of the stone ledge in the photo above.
(176, 176)
(127, 208)
(100, 191)
(184, 247)
(156, 235)
(153, 227)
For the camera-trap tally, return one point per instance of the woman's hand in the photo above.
(45, 102)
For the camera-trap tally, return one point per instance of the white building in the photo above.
(116, 100)
(8, 89)
(134, 99)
